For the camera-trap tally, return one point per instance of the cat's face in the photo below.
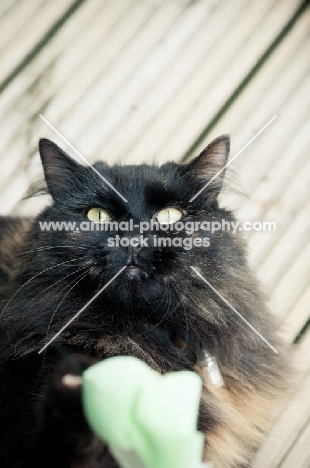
(156, 262)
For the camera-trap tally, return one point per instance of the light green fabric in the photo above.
(147, 419)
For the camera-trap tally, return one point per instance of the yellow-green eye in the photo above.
(169, 216)
(98, 215)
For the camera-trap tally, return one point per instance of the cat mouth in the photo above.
(134, 272)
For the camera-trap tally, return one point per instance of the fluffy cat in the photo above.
(157, 309)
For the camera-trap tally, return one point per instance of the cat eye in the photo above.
(169, 216)
(99, 215)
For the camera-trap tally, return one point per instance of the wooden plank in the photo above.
(292, 228)
(136, 17)
(231, 58)
(14, 16)
(30, 31)
(299, 455)
(273, 143)
(293, 282)
(180, 113)
(266, 95)
(119, 105)
(293, 417)
(5, 7)
(297, 316)
(75, 28)
(89, 56)
(268, 90)
(275, 185)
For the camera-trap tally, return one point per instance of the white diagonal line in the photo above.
(82, 157)
(83, 308)
(232, 159)
(235, 310)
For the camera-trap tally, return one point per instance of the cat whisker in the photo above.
(160, 302)
(174, 284)
(39, 249)
(80, 277)
(99, 287)
(62, 279)
(31, 279)
(166, 293)
(167, 308)
(180, 302)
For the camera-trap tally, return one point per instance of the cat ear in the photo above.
(59, 169)
(205, 167)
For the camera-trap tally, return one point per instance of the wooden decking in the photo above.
(142, 80)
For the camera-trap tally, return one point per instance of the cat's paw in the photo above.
(62, 401)
(63, 438)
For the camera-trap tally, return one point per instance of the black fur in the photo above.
(146, 313)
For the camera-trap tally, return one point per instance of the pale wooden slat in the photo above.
(266, 95)
(281, 208)
(110, 117)
(135, 19)
(5, 7)
(270, 87)
(20, 108)
(300, 452)
(14, 16)
(275, 185)
(170, 93)
(292, 201)
(273, 142)
(292, 217)
(53, 50)
(179, 112)
(294, 239)
(30, 32)
(230, 61)
(293, 416)
(297, 316)
(293, 282)
(78, 74)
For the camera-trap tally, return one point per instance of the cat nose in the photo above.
(132, 258)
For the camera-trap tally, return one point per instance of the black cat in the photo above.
(157, 309)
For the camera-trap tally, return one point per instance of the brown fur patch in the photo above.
(12, 233)
(245, 417)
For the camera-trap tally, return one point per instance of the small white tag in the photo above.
(208, 361)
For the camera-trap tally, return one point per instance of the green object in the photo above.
(147, 419)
